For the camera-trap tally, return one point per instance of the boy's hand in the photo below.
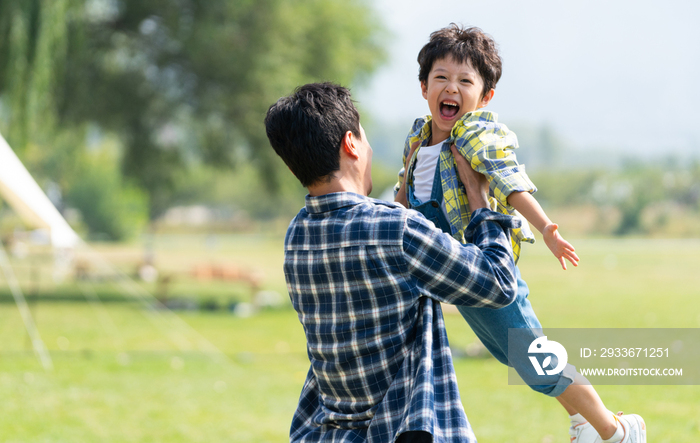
(561, 248)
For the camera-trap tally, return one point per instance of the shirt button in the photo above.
(435, 204)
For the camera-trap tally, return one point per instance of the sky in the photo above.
(620, 75)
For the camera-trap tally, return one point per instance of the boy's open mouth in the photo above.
(448, 109)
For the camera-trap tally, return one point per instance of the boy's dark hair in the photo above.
(462, 44)
(307, 127)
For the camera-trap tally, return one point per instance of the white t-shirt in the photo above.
(424, 172)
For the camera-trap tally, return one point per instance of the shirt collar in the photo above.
(330, 202)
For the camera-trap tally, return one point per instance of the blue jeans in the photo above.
(491, 326)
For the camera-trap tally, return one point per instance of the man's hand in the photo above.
(561, 248)
(475, 183)
(401, 196)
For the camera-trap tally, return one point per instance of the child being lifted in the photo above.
(459, 69)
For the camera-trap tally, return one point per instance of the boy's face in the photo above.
(452, 90)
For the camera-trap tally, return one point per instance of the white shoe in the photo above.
(634, 428)
(583, 433)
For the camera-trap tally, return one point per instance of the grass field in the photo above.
(125, 373)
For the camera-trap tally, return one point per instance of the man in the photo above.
(367, 277)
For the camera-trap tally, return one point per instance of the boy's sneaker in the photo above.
(583, 433)
(634, 430)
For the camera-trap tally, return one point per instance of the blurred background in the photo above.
(142, 122)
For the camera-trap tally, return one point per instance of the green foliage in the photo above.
(32, 55)
(178, 81)
(242, 188)
(184, 80)
(566, 188)
(112, 209)
(383, 177)
(245, 189)
(633, 191)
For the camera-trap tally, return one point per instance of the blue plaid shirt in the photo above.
(366, 278)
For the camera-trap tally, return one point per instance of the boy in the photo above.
(459, 69)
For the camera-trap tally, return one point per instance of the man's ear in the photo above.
(486, 98)
(424, 88)
(348, 145)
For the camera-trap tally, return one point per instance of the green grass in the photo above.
(123, 373)
(142, 388)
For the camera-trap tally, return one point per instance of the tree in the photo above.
(178, 81)
(32, 55)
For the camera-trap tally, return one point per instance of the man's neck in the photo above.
(336, 184)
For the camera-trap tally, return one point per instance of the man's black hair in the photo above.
(306, 129)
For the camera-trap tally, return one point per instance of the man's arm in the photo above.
(476, 185)
(480, 273)
(401, 196)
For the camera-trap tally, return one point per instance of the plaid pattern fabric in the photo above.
(366, 278)
(488, 146)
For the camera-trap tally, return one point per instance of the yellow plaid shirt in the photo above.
(488, 146)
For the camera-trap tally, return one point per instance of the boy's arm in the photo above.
(529, 208)
(489, 148)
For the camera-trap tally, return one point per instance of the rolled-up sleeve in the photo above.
(479, 274)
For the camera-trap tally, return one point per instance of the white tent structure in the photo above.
(19, 190)
(23, 194)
